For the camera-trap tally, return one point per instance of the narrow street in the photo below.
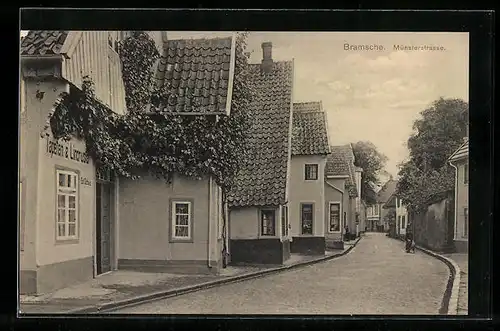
(376, 277)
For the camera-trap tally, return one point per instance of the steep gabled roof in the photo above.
(261, 180)
(309, 133)
(461, 153)
(43, 42)
(340, 163)
(387, 191)
(197, 75)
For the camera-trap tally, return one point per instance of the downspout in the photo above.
(209, 241)
(456, 201)
(225, 217)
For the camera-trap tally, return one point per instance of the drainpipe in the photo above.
(456, 201)
(209, 241)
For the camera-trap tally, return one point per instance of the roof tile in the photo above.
(340, 162)
(261, 181)
(461, 152)
(197, 72)
(43, 42)
(309, 135)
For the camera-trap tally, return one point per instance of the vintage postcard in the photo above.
(177, 172)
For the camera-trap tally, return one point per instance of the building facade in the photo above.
(340, 186)
(310, 148)
(67, 208)
(259, 229)
(460, 161)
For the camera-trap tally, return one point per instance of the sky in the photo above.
(369, 95)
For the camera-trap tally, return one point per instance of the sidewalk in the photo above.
(120, 288)
(463, 292)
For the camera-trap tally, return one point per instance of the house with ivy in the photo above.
(259, 199)
(310, 148)
(341, 193)
(67, 206)
(126, 150)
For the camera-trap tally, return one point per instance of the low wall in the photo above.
(433, 229)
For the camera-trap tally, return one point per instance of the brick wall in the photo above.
(433, 229)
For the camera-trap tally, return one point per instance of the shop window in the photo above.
(307, 218)
(334, 219)
(268, 222)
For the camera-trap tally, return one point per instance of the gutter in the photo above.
(456, 201)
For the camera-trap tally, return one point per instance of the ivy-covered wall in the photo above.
(160, 144)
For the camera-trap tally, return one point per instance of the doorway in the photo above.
(104, 223)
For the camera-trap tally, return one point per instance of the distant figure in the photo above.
(409, 243)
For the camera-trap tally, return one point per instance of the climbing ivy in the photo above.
(136, 142)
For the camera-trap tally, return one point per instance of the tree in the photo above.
(372, 161)
(437, 134)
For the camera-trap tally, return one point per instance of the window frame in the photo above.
(403, 221)
(261, 222)
(74, 192)
(302, 204)
(465, 229)
(330, 203)
(311, 166)
(173, 218)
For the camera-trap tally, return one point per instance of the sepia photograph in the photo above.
(243, 172)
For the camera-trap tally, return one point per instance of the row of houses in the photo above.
(445, 224)
(293, 194)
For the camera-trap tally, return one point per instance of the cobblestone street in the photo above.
(376, 277)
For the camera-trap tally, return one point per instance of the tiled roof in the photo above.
(340, 163)
(313, 106)
(43, 42)
(461, 152)
(262, 178)
(196, 72)
(309, 133)
(387, 191)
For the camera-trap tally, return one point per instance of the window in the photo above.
(466, 222)
(399, 221)
(398, 202)
(113, 40)
(403, 222)
(67, 205)
(345, 218)
(466, 173)
(268, 222)
(307, 218)
(334, 223)
(311, 172)
(181, 219)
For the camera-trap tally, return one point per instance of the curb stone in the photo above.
(112, 306)
(449, 304)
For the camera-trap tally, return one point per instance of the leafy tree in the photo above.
(437, 134)
(372, 161)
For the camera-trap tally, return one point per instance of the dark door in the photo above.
(103, 228)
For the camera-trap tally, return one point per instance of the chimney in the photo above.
(267, 57)
(164, 41)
